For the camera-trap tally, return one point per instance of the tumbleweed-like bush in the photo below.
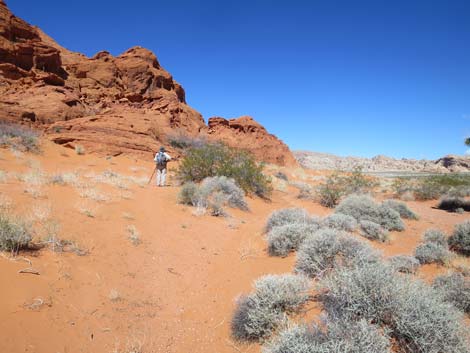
(363, 207)
(188, 194)
(435, 236)
(460, 238)
(404, 263)
(329, 248)
(15, 234)
(288, 216)
(403, 210)
(428, 253)
(455, 288)
(340, 222)
(373, 231)
(286, 238)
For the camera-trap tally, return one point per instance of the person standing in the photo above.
(161, 159)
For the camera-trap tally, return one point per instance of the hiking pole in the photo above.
(152, 175)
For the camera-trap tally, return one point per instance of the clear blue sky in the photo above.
(347, 77)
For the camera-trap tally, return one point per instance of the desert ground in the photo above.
(128, 269)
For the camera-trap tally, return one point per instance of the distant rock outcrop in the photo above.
(112, 105)
(379, 164)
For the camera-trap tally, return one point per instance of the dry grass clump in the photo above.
(15, 233)
(403, 210)
(286, 238)
(332, 336)
(305, 190)
(260, 313)
(19, 137)
(404, 263)
(455, 287)
(328, 249)
(214, 194)
(373, 231)
(340, 221)
(460, 239)
(133, 235)
(363, 207)
(288, 216)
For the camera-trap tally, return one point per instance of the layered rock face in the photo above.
(112, 105)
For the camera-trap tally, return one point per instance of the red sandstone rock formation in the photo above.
(112, 105)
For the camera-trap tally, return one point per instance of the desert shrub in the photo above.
(260, 313)
(373, 231)
(338, 185)
(415, 314)
(282, 176)
(452, 204)
(329, 248)
(363, 207)
(188, 194)
(402, 209)
(19, 137)
(15, 234)
(404, 263)
(455, 288)
(216, 192)
(340, 222)
(428, 253)
(332, 336)
(80, 150)
(305, 190)
(182, 140)
(288, 216)
(435, 236)
(285, 238)
(211, 160)
(460, 238)
(402, 185)
(428, 190)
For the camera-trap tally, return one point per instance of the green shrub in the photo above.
(285, 238)
(373, 231)
(332, 336)
(15, 234)
(402, 209)
(288, 216)
(259, 314)
(19, 137)
(460, 238)
(404, 263)
(455, 288)
(329, 248)
(340, 222)
(211, 160)
(428, 253)
(363, 207)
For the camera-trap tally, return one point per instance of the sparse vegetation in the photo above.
(260, 313)
(15, 234)
(402, 209)
(189, 194)
(328, 249)
(340, 222)
(183, 141)
(212, 160)
(460, 239)
(435, 236)
(288, 216)
(428, 253)
(404, 263)
(363, 207)
(453, 204)
(80, 150)
(19, 137)
(373, 231)
(133, 235)
(455, 288)
(286, 238)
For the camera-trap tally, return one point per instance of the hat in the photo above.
(162, 149)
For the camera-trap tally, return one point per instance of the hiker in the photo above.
(161, 158)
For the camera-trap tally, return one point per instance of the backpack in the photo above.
(161, 159)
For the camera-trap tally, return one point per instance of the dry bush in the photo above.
(460, 238)
(288, 216)
(428, 253)
(15, 233)
(19, 137)
(373, 231)
(453, 204)
(340, 222)
(133, 235)
(455, 288)
(435, 236)
(404, 263)
(402, 209)
(286, 238)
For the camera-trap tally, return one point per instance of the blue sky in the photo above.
(347, 77)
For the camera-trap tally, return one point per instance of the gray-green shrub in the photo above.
(20, 137)
(435, 236)
(188, 194)
(428, 253)
(340, 222)
(288, 237)
(288, 216)
(15, 234)
(455, 289)
(329, 248)
(373, 231)
(404, 263)
(403, 210)
(460, 238)
(363, 207)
